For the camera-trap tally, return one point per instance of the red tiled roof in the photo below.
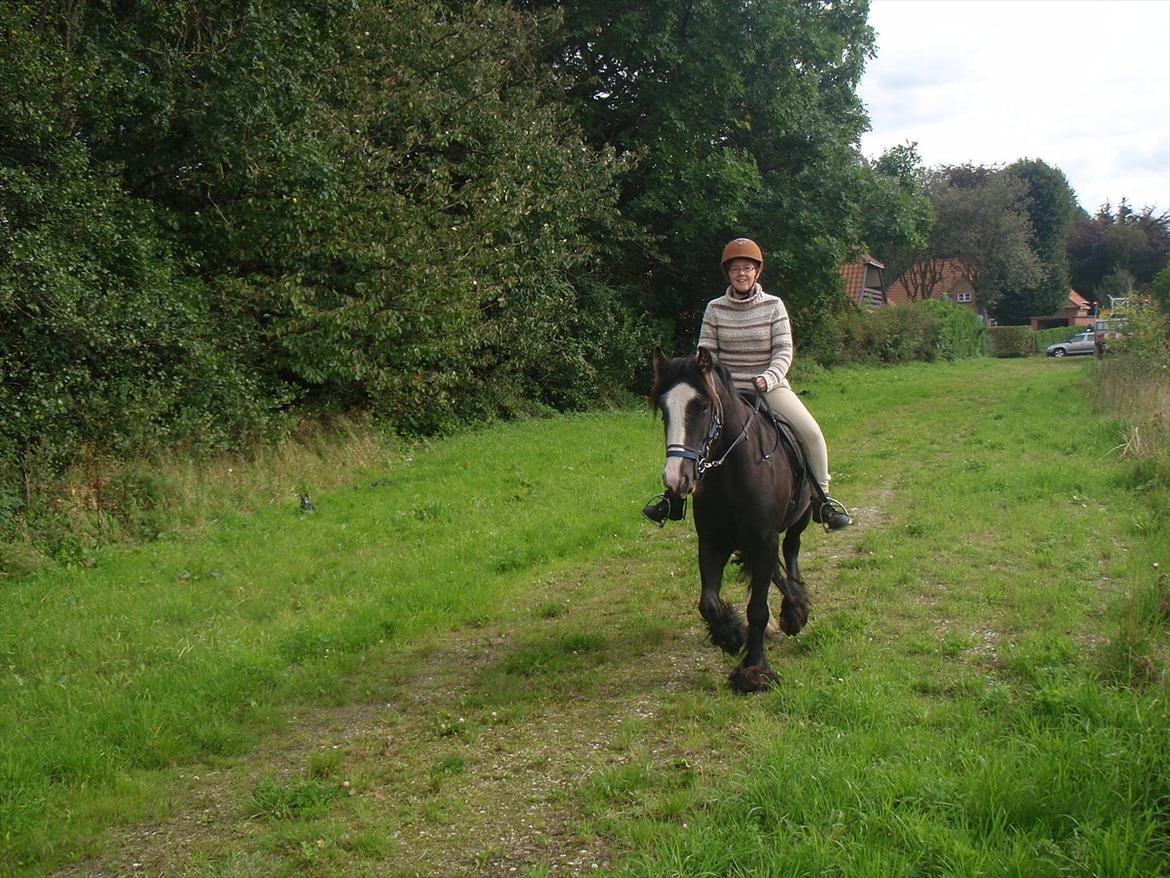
(853, 273)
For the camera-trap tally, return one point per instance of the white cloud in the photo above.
(1083, 85)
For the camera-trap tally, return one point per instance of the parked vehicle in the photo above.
(1106, 329)
(1081, 343)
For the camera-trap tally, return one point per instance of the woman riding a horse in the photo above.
(748, 331)
(728, 452)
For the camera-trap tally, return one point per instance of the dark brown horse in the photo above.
(747, 493)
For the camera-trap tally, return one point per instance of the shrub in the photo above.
(1133, 385)
(1011, 341)
(920, 331)
(959, 333)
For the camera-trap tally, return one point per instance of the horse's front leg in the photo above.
(725, 625)
(754, 674)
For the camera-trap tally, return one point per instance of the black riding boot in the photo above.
(829, 512)
(665, 506)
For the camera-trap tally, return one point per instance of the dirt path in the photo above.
(492, 752)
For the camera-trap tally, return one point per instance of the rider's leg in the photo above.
(788, 405)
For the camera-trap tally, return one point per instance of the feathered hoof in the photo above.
(757, 678)
(793, 617)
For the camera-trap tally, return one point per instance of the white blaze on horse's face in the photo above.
(678, 475)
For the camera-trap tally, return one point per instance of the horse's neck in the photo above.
(735, 412)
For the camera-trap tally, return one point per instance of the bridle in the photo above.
(702, 456)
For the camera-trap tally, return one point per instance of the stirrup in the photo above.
(662, 507)
(831, 513)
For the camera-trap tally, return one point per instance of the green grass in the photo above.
(482, 656)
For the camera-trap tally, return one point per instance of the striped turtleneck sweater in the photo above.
(750, 336)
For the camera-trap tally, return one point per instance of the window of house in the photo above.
(963, 297)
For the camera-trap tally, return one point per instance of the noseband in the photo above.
(700, 457)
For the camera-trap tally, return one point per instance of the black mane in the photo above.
(678, 370)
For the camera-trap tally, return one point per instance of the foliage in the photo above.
(1133, 386)
(108, 337)
(1160, 288)
(1011, 341)
(959, 333)
(738, 120)
(1050, 205)
(928, 331)
(212, 214)
(1137, 242)
(981, 222)
(897, 214)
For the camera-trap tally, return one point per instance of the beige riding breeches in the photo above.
(784, 402)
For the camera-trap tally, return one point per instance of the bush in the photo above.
(959, 333)
(1133, 385)
(929, 330)
(1011, 341)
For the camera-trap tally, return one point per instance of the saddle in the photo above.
(775, 432)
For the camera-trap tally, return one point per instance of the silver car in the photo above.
(1081, 343)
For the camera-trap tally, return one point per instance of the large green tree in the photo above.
(896, 212)
(1050, 205)
(734, 118)
(980, 221)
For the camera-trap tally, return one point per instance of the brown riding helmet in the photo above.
(742, 248)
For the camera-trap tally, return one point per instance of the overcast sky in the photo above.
(1083, 85)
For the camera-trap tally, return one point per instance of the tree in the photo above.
(986, 229)
(1050, 203)
(735, 119)
(1160, 287)
(896, 213)
(1121, 238)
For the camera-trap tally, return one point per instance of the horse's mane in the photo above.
(686, 369)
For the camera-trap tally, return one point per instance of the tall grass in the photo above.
(101, 501)
(982, 688)
(186, 649)
(1133, 386)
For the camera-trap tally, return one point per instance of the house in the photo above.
(936, 279)
(864, 281)
(1078, 311)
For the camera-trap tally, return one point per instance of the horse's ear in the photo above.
(659, 361)
(706, 360)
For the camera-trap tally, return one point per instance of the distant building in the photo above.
(936, 279)
(1078, 311)
(865, 282)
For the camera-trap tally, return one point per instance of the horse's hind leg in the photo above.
(754, 674)
(725, 625)
(794, 609)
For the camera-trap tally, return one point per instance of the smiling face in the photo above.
(742, 274)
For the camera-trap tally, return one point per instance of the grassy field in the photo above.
(481, 661)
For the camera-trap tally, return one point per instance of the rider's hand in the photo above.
(761, 383)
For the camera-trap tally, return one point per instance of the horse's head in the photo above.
(685, 392)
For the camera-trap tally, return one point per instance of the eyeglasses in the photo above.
(742, 269)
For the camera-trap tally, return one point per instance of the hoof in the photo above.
(730, 640)
(793, 617)
(727, 628)
(757, 678)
